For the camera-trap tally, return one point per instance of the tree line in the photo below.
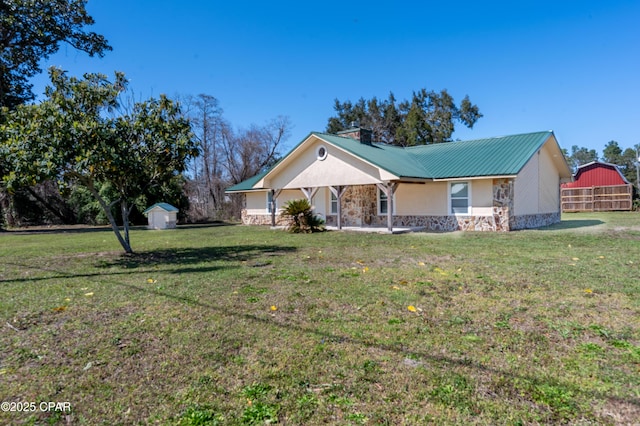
(428, 117)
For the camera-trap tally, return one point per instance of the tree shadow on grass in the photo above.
(572, 224)
(82, 229)
(192, 256)
(187, 260)
(57, 229)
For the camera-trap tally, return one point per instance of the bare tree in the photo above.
(248, 152)
(208, 126)
(227, 156)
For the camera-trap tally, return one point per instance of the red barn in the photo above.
(596, 173)
(597, 186)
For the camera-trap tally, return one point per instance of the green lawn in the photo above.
(245, 325)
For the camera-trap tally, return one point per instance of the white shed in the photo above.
(162, 216)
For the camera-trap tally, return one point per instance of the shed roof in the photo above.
(164, 206)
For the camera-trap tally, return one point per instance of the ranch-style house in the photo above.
(492, 184)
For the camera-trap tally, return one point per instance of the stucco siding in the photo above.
(436, 194)
(482, 197)
(287, 195)
(549, 189)
(526, 188)
(306, 170)
(256, 202)
(411, 199)
(421, 199)
(431, 199)
(321, 202)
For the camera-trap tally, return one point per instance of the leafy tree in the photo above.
(629, 164)
(429, 117)
(72, 137)
(612, 153)
(625, 160)
(580, 156)
(32, 30)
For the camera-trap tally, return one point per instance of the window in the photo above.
(460, 198)
(334, 203)
(269, 200)
(383, 202)
(321, 153)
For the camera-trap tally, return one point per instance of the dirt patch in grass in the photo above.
(620, 412)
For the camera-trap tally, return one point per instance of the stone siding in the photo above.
(461, 223)
(536, 220)
(359, 205)
(441, 223)
(502, 204)
(262, 219)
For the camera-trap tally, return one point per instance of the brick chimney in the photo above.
(364, 136)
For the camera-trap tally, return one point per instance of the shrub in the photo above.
(301, 217)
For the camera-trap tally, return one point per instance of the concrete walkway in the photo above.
(368, 229)
(376, 230)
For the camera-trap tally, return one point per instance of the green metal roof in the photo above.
(497, 156)
(394, 159)
(247, 185)
(164, 206)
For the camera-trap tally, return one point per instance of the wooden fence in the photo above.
(597, 198)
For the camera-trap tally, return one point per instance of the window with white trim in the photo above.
(383, 202)
(334, 203)
(459, 198)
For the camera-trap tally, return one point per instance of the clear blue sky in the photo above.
(563, 65)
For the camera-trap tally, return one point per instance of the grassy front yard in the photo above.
(242, 325)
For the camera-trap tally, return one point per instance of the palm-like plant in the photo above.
(301, 217)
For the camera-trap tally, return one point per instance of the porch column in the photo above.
(338, 191)
(274, 195)
(389, 190)
(309, 193)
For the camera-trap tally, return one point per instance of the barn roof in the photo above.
(597, 173)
